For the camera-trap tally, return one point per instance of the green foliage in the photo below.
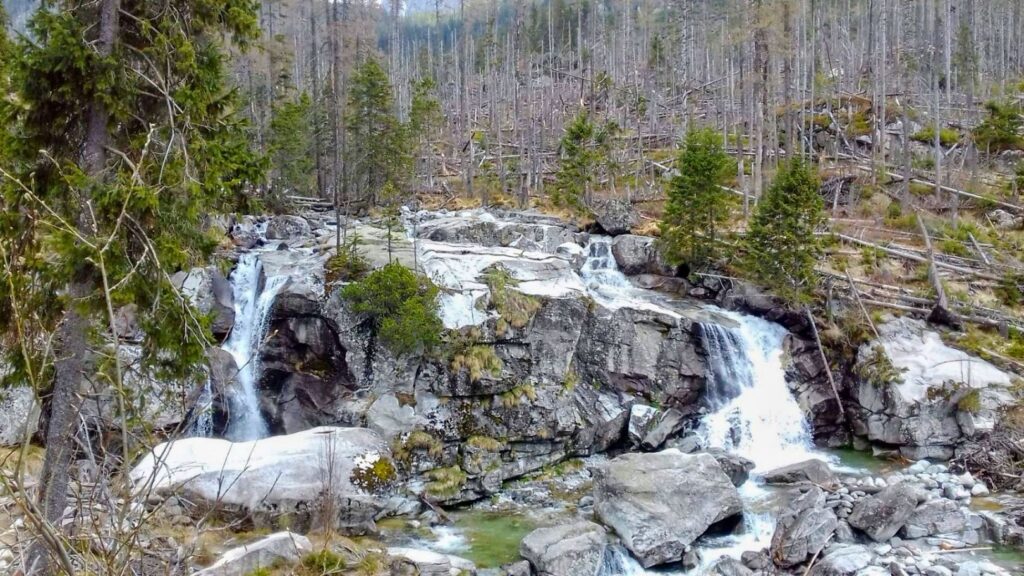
(347, 264)
(697, 205)
(401, 305)
(445, 482)
(584, 151)
(947, 136)
(970, 402)
(381, 153)
(1002, 129)
(323, 563)
(877, 369)
(477, 360)
(404, 448)
(129, 216)
(782, 248)
(425, 113)
(514, 308)
(290, 144)
(1010, 289)
(374, 476)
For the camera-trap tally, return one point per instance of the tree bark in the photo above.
(70, 348)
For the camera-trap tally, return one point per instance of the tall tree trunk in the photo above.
(70, 349)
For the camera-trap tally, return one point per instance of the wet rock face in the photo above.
(931, 398)
(660, 503)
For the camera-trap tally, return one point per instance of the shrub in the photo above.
(445, 482)
(323, 563)
(515, 308)
(947, 136)
(970, 402)
(404, 448)
(347, 264)
(877, 369)
(401, 305)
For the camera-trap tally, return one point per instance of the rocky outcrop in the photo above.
(272, 552)
(643, 352)
(334, 476)
(523, 230)
(210, 292)
(660, 503)
(921, 396)
(803, 529)
(881, 516)
(637, 255)
(567, 550)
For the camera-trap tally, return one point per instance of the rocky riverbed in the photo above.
(627, 420)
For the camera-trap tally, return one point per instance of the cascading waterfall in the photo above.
(252, 308)
(600, 271)
(753, 412)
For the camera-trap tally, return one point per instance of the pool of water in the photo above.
(849, 459)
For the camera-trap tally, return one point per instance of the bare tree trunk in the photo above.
(314, 75)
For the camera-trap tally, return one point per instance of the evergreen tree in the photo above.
(125, 141)
(290, 145)
(782, 248)
(381, 153)
(425, 119)
(697, 204)
(584, 149)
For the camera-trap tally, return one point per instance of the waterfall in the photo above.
(600, 269)
(252, 308)
(753, 412)
(618, 561)
(202, 420)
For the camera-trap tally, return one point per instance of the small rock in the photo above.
(280, 549)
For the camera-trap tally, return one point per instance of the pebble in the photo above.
(979, 489)
(938, 571)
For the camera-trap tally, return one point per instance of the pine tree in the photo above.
(697, 205)
(382, 151)
(584, 149)
(425, 119)
(126, 141)
(290, 145)
(782, 248)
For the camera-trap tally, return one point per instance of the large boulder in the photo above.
(287, 227)
(803, 529)
(736, 467)
(919, 394)
(938, 517)
(639, 255)
(660, 503)
(881, 516)
(336, 476)
(19, 415)
(523, 230)
(566, 550)
(615, 217)
(272, 552)
(812, 471)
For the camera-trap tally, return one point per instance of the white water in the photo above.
(252, 308)
(753, 413)
(202, 423)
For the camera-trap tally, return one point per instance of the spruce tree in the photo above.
(782, 247)
(381, 153)
(124, 140)
(697, 205)
(290, 145)
(584, 149)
